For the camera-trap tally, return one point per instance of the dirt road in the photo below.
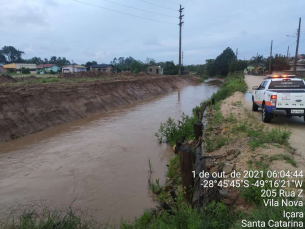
(295, 124)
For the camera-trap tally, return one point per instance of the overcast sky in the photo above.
(82, 33)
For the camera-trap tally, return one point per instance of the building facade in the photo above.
(16, 67)
(154, 70)
(73, 69)
(103, 68)
(47, 68)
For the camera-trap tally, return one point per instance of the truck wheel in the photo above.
(254, 107)
(266, 117)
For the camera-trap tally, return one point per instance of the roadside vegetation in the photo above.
(173, 211)
(221, 131)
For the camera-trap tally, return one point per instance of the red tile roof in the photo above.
(45, 65)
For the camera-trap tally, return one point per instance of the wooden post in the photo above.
(186, 165)
(198, 127)
(213, 101)
(199, 114)
(182, 139)
(204, 106)
(178, 144)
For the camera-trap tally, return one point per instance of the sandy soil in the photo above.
(27, 109)
(295, 124)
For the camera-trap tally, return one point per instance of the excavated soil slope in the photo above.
(31, 108)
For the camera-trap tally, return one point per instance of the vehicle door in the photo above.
(258, 94)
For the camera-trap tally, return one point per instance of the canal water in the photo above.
(99, 163)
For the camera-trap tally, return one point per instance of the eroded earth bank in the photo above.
(27, 109)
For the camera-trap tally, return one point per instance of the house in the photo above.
(73, 68)
(103, 68)
(300, 66)
(17, 67)
(47, 68)
(1, 64)
(154, 70)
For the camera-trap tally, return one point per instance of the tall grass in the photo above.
(214, 216)
(234, 82)
(40, 216)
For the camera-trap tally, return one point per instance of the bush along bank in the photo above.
(232, 141)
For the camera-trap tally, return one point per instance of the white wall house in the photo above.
(73, 69)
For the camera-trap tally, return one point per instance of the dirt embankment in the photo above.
(31, 108)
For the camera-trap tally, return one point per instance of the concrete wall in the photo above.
(71, 69)
(108, 69)
(17, 67)
(154, 70)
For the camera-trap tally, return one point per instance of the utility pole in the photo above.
(180, 25)
(236, 59)
(297, 49)
(288, 53)
(270, 60)
(236, 54)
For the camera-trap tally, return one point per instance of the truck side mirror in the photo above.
(255, 87)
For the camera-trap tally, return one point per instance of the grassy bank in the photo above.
(184, 215)
(223, 131)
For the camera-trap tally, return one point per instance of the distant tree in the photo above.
(11, 54)
(239, 65)
(150, 61)
(34, 60)
(25, 70)
(2, 58)
(137, 66)
(278, 63)
(209, 67)
(114, 62)
(89, 64)
(222, 62)
(257, 60)
(128, 61)
(170, 68)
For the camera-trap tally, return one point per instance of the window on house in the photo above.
(150, 69)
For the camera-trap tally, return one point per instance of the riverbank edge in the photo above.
(27, 109)
(236, 204)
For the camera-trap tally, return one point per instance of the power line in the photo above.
(138, 9)
(158, 5)
(124, 13)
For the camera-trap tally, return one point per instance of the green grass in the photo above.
(259, 135)
(283, 157)
(203, 78)
(231, 84)
(214, 216)
(38, 216)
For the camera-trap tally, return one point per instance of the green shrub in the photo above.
(25, 70)
(171, 131)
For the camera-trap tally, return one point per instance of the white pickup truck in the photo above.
(280, 95)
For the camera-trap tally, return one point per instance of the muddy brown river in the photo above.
(99, 163)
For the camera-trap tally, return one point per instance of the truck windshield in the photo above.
(287, 85)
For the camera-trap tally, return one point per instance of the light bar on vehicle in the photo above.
(280, 76)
